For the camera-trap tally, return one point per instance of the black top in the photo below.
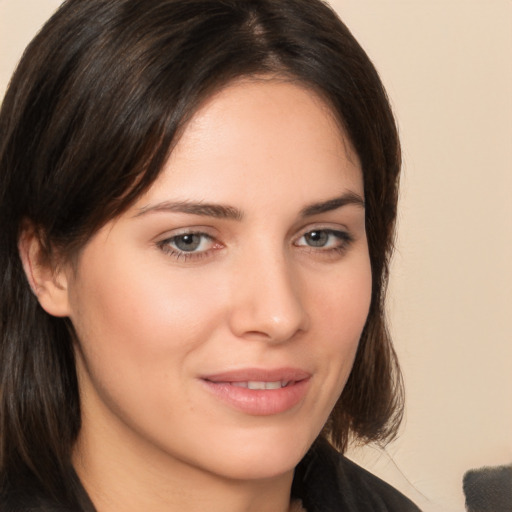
(324, 480)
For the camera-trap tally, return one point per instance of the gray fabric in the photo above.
(488, 489)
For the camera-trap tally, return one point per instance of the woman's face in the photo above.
(218, 318)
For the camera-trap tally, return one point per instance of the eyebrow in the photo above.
(220, 211)
(333, 204)
(217, 211)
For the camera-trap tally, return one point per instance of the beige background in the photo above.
(448, 69)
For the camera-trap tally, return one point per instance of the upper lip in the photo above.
(259, 375)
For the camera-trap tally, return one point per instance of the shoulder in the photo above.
(365, 487)
(326, 481)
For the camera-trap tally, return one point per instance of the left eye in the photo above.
(189, 242)
(324, 238)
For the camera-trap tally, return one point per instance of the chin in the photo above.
(263, 456)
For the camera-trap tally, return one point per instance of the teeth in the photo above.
(253, 384)
(273, 385)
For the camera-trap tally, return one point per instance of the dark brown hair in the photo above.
(87, 123)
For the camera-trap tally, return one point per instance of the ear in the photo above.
(47, 280)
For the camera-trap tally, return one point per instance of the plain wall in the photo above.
(447, 67)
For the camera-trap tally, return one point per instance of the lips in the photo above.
(259, 392)
(259, 375)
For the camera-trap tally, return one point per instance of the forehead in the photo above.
(254, 133)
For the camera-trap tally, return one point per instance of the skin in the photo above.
(257, 291)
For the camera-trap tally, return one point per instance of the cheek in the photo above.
(342, 307)
(343, 300)
(139, 334)
(136, 327)
(134, 306)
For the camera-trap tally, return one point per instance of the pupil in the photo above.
(317, 238)
(188, 242)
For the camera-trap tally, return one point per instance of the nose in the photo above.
(267, 301)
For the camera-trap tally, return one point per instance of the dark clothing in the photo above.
(325, 481)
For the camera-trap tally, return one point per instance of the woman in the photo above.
(198, 200)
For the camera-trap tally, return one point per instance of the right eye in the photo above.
(187, 245)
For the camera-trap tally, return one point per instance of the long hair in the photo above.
(89, 119)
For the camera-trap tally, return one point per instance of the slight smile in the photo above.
(260, 392)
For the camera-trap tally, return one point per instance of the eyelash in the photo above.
(179, 254)
(344, 240)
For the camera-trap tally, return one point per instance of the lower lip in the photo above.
(259, 402)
